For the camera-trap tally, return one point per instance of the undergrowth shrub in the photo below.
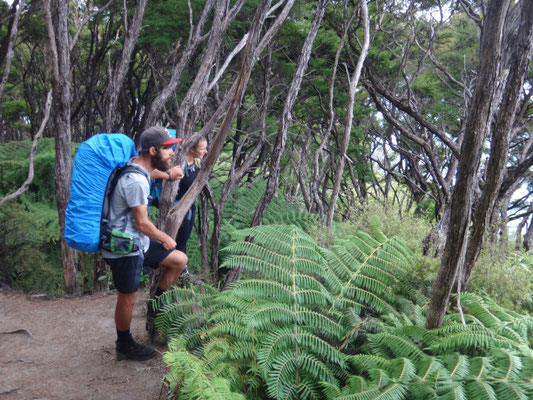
(30, 258)
(29, 255)
(310, 322)
(506, 276)
(392, 221)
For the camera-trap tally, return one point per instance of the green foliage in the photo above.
(391, 219)
(28, 255)
(506, 276)
(14, 111)
(310, 322)
(195, 381)
(168, 21)
(282, 328)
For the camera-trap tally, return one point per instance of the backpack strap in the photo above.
(116, 174)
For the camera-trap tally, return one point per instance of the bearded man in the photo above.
(128, 213)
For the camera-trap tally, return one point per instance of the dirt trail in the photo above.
(71, 354)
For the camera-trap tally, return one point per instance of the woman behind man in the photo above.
(187, 174)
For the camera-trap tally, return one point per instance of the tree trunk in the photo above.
(519, 239)
(477, 125)
(204, 231)
(354, 80)
(12, 34)
(519, 63)
(99, 270)
(57, 26)
(231, 106)
(31, 170)
(116, 79)
(281, 138)
(528, 237)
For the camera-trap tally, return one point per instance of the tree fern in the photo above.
(195, 381)
(282, 322)
(240, 211)
(307, 322)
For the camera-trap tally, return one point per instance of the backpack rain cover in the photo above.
(95, 159)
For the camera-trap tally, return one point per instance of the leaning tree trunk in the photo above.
(519, 63)
(31, 169)
(57, 25)
(116, 79)
(477, 124)
(353, 81)
(230, 105)
(281, 138)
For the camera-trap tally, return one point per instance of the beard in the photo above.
(159, 163)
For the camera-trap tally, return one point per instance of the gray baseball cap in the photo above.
(156, 136)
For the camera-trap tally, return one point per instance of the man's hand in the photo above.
(175, 173)
(168, 243)
(172, 174)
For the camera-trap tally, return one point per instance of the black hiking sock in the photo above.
(124, 336)
(159, 292)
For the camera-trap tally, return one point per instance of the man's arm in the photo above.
(175, 173)
(142, 223)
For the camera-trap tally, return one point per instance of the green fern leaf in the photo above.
(287, 367)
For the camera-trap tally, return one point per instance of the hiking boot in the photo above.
(134, 351)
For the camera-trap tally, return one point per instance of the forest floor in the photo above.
(71, 352)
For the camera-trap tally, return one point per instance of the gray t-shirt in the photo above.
(132, 190)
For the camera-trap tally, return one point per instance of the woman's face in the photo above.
(200, 150)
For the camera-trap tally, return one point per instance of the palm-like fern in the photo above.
(316, 323)
(240, 211)
(291, 319)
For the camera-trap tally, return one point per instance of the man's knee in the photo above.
(176, 260)
(126, 298)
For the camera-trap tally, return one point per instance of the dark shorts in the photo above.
(127, 270)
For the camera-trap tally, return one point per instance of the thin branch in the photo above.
(33, 151)
(84, 22)
(9, 57)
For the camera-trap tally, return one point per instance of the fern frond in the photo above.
(329, 390)
(506, 390)
(508, 363)
(196, 382)
(369, 394)
(275, 313)
(471, 339)
(229, 313)
(526, 373)
(402, 369)
(250, 288)
(455, 391)
(428, 367)
(228, 328)
(386, 343)
(277, 341)
(457, 364)
(395, 391)
(367, 362)
(288, 366)
(480, 389)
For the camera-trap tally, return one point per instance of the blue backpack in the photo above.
(94, 163)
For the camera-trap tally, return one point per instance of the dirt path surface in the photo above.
(71, 354)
